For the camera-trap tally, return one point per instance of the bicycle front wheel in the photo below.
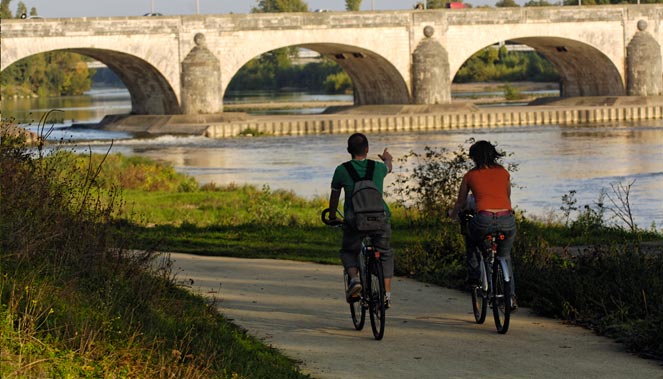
(501, 299)
(480, 301)
(357, 312)
(376, 299)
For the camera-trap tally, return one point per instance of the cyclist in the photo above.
(490, 185)
(351, 245)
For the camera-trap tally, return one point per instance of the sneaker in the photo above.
(387, 303)
(514, 304)
(354, 288)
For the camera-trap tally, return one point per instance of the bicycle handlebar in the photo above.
(327, 221)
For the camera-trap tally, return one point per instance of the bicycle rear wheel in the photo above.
(357, 312)
(376, 299)
(501, 299)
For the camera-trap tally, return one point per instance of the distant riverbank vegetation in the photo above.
(275, 71)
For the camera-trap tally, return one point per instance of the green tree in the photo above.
(275, 6)
(538, 3)
(51, 74)
(5, 12)
(506, 4)
(493, 64)
(338, 83)
(271, 69)
(352, 5)
(438, 4)
(21, 9)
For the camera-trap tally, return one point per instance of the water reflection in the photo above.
(552, 161)
(89, 108)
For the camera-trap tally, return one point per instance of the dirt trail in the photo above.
(299, 308)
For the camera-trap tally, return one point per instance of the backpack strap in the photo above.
(369, 170)
(355, 175)
(351, 170)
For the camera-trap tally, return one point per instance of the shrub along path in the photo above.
(300, 309)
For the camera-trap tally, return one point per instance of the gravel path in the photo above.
(299, 308)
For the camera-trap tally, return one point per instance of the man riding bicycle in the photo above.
(351, 245)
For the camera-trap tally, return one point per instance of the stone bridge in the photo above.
(183, 64)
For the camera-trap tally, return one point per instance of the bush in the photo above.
(431, 185)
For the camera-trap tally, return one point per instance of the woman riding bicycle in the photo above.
(490, 185)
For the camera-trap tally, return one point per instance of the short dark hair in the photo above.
(357, 144)
(484, 154)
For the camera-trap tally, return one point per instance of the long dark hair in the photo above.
(484, 154)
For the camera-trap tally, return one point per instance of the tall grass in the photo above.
(75, 302)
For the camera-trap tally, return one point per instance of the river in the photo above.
(553, 160)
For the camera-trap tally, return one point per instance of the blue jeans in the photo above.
(351, 247)
(481, 225)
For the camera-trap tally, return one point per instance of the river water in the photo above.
(553, 160)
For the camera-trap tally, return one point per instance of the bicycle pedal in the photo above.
(353, 299)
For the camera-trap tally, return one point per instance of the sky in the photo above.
(107, 8)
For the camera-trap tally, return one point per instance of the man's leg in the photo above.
(350, 257)
(382, 244)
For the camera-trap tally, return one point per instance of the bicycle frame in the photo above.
(488, 256)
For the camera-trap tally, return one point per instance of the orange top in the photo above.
(490, 187)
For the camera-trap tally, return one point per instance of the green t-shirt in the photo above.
(342, 179)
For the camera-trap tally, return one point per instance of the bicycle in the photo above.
(495, 287)
(372, 295)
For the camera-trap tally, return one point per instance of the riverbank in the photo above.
(386, 118)
(475, 105)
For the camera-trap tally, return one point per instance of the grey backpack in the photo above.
(368, 208)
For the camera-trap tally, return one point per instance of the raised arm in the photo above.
(386, 158)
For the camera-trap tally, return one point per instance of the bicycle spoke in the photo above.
(376, 299)
(357, 311)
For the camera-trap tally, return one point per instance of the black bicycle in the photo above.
(495, 287)
(372, 295)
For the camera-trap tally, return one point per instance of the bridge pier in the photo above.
(201, 80)
(431, 83)
(644, 69)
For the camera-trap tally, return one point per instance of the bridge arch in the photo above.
(584, 69)
(375, 79)
(150, 92)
